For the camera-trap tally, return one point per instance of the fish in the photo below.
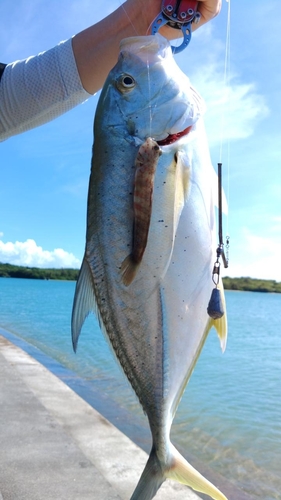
(157, 322)
(146, 164)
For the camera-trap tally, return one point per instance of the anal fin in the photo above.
(84, 301)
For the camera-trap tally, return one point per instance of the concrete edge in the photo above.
(117, 458)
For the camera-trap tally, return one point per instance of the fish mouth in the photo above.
(174, 137)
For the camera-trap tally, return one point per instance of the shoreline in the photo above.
(115, 414)
(242, 283)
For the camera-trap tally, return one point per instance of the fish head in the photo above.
(146, 94)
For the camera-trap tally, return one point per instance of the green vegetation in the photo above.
(242, 284)
(251, 285)
(10, 271)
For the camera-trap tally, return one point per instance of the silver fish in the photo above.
(158, 323)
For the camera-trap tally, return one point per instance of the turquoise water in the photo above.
(230, 415)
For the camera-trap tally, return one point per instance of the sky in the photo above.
(45, 172)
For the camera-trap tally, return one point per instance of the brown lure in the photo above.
(146, 164)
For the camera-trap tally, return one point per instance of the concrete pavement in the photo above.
(55, 446)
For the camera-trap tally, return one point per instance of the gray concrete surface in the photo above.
(54, 446)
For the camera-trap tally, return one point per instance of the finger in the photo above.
(208, 10)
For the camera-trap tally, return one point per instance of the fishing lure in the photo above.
(146, 163)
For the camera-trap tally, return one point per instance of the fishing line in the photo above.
(226, 101)
(148, 32)
(226, 78)
(128, 17)
(216, 307)
(149, 100)
(123, 5)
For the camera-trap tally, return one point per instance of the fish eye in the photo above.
(125, 83)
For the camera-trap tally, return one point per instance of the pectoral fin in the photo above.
(183, 175)
(181, 187)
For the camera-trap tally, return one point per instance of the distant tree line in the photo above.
(252, 285)
(242, 284)
(11, 271)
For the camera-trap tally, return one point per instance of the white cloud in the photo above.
(28, 253)
(276, 224)
(258, 257)
(233, 109)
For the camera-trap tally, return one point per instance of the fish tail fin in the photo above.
(83, 303)
(150, 480)
(176, 468)
(129, 270)
(180, 470)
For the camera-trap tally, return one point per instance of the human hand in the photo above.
(208, 10)
(145, 11)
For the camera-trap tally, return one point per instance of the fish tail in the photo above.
(181, 471)
(129, 268)
(178, 469)
(150, 480)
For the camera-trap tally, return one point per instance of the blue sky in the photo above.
(45, 172)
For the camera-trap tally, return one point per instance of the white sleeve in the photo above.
(38, 89)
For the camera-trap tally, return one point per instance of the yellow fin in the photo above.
(183, 472)
(173, 466)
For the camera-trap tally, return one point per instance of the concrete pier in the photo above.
(55, 446)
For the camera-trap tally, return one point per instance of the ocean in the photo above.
(229, 419)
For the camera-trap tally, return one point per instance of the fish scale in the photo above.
(157, 323)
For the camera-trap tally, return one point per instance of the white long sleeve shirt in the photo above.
(38, 89)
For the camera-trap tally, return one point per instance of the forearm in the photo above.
(41, 88)
(38, 89)
(98, 46)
